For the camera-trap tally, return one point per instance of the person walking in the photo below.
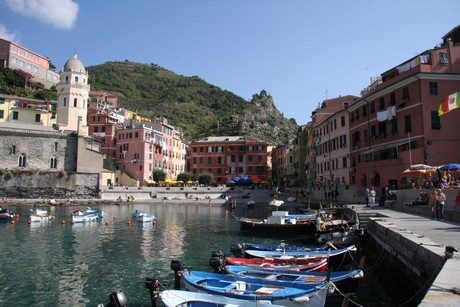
(372, 196)
(440, 200)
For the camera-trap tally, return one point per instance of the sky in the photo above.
(300, 51)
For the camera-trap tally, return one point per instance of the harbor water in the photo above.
(57, 263)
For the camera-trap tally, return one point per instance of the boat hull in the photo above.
(259, 226)
(291, 264)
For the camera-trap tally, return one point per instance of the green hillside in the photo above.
(197, 107)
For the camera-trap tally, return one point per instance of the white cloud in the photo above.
(59, 13)
(9, 36)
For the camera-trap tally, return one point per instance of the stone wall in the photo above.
(34, 184)
(38, 147)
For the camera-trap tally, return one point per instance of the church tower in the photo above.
(73, 97)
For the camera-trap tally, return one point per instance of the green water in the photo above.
(56, 264)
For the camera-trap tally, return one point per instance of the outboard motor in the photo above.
(217, 261)
(153, 284)
(177, 266)
(117, 299)
(237, 250)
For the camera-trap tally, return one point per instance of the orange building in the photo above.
(396, 124)
(226, 157)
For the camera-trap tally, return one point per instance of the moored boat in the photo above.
(252, 289)
(39, 215)
(6, 214)
(345, 281)
(300, 254)
(291, 264)
(178, 298)
(239, 249)
(281, 222)
(143, 217)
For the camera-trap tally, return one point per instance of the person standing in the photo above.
(372, 196)
(440, 200)
(367, 197)
(433, 202)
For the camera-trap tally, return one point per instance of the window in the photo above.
(342, 119)
(373, 132)
(405, 93)
(209, 160)
(37, 118)
(364, 111)
(201, 160)
(392, 99)
(22, 160)
(435, 120)
(1, 114)
(136, 135)
(53, 162)
(382, 130)
(443, 58)
(366, 135)
(344, 162)
(219, 160)
(394, 127)
(382, 103)
(65, 102)
(75, 102)
(433, 88)
(371, 108)
(76, 79)
(240, 158)
(194, 160)
(15, 115)
(407, 124)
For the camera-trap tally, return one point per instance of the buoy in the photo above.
(129, 222)
(63, 222)
(17, 216)
(114, 217)
(29, 221)
(12, 222)
(107, 223)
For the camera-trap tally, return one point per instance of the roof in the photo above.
(74, 64)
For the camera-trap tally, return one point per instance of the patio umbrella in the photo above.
(418, 169)
(451, 167)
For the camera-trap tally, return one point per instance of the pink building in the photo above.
(396, 124)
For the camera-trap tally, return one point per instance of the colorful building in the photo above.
(396, 123)
(19, 109)
(226, 157)
(14, 56)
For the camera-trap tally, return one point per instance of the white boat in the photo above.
(178, 298)
(143, 217)
(84, 218)
(39, 215)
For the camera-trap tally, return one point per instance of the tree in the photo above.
(206, 179)
(158, 175)
(184, 177)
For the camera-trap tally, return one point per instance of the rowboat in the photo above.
(345, 281)
(6, 214)
(299, 254)
(178, 298)
(143, 217)
(89, 215)
(281, 222)
(39, 215)
(253, 289)
(291, 264)
(239, 249)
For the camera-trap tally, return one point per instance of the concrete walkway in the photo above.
(445, 290)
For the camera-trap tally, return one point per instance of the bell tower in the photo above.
(73, 97)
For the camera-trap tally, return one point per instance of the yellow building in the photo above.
(18, 109)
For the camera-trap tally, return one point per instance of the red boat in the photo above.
(319, 264)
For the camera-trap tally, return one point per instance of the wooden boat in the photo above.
(39, 215)
(178, 298)
(301, 254)
(6, 214)
(89, 215)
(281, 222)
(143, 217)
(291, 264)
(239, 249)
(253, 289)
(345, 281)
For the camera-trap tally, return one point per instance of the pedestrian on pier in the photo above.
(440, 200)
(372, 195)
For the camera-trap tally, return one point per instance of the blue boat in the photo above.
(178, 298)
(300, 253)
(345, 281)
(254, 289)
(239, 249)
(6, 214)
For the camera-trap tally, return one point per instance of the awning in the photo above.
(384, 147)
